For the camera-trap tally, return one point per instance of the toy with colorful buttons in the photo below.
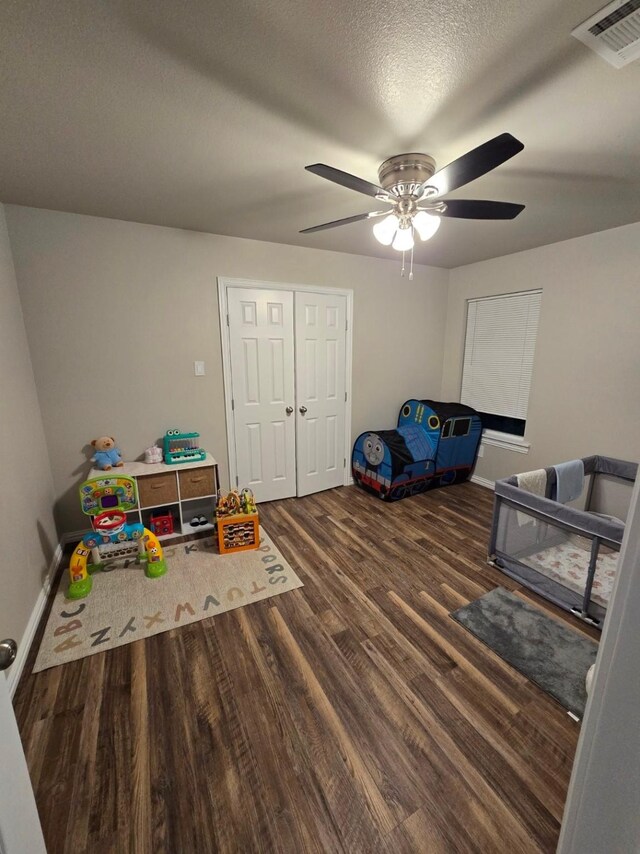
(106, 501)
(182, 448)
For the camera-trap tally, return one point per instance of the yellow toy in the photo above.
(248, 501)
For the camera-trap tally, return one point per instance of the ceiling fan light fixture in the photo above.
(408, 180)
(404, 238)
(385, 230)
(426, 224)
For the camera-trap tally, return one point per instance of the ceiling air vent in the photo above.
(613, 32)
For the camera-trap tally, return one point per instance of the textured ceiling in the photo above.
(203, 114)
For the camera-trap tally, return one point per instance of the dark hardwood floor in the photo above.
(351, 715)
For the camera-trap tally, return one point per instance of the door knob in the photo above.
(8, 650)
(289, 410)
(302, 410)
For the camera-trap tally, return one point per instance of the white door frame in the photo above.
(224, 284)
(20, 829)
(601, 811)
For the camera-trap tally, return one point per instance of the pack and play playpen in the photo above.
(434, 444)
(566, 554)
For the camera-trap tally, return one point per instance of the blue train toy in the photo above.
(434, 444)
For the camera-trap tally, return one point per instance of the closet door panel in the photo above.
(320, 334)
(261, 332)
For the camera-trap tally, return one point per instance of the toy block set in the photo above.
(237, 522)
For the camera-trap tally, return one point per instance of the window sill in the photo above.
(505, 440)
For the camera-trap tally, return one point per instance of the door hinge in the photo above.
(237, 481)
(227, 320)
(344, 463)
(345, 397)
(346, 324)
(233, 404)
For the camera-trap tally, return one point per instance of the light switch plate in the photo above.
(198, 369)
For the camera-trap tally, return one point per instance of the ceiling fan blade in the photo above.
(473, 164)
(470, 209)
(346, 221)
(352, 182)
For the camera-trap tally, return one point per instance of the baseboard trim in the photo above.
(73, 536)
(15, 671)
(482, 481)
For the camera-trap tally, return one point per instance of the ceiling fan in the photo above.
(410, 184)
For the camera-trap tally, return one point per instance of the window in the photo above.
(456, 427)
(498, 358)
(461, 426)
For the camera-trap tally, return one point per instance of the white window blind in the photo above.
(498, 353)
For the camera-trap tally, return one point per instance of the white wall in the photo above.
(117, 312)
(27, 532)
(585, 393)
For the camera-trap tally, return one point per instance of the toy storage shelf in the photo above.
(172, 510)
(185, 490)
(189, 529)
(202, 505)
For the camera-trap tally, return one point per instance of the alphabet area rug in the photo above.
(124, 605)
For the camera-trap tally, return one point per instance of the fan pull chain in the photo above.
(402, 271)
(411, 268)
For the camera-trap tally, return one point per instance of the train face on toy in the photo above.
(435, 444)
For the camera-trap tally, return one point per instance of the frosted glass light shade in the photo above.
(384, 231)
(403, 239)
(426, 224)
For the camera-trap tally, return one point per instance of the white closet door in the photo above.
(262, 369)
(320, 333)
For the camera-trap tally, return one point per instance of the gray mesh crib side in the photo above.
(566, 554)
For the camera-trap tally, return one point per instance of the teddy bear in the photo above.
(106, 455)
